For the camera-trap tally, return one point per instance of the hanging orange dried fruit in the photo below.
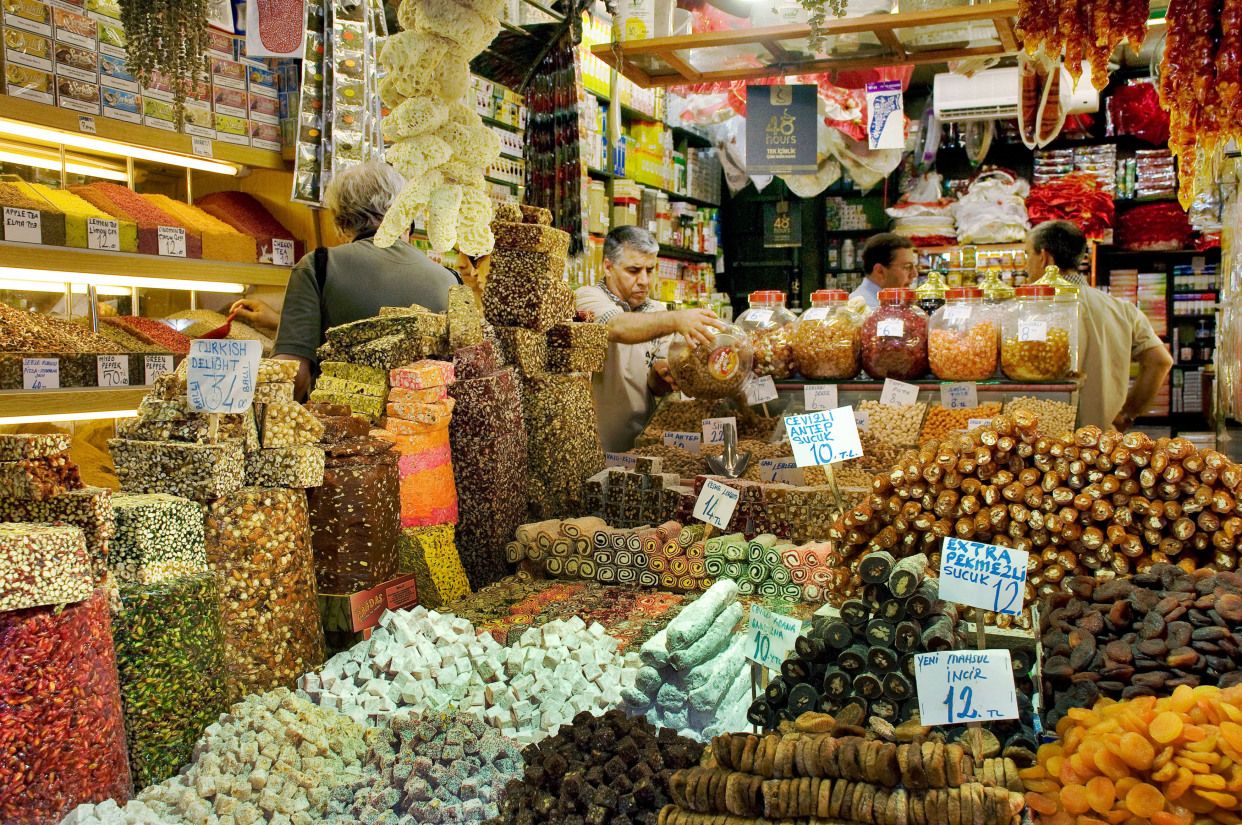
(1087, 31)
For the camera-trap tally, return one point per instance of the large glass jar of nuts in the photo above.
(1039, 336)
(716, 370)
(766, 324)
(894, 337)
(827, 337)
(963, 336)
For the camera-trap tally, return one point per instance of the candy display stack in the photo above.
(420, 431)
(430, 553)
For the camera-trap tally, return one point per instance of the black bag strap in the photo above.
(321, 280)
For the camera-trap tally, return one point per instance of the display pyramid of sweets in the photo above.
(55, 640)
(526, 298)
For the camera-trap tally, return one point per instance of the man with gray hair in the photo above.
(638, 333)
(329, 287)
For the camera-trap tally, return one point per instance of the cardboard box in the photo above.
(78, 95)
(76, 29)
(228, 100)
(77, 63)
(30, 15)
(264, 109)
(112, 39)
(228, 73)
(232, 129)
(30, 84)
(114, 72)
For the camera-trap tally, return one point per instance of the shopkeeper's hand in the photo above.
(256, 313)
(1123, 421)
(698, 326)
(661, 380)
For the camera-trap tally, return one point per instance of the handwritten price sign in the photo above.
(960, 686)
(960, 396)
(716, 504)
(770, 636)
(983, 575)
(221, 375)
(823, 437)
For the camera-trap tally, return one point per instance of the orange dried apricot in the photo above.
(1074, 799)
(1166, 773)
(1040, 804)
(1179, 784)
(1042, 785)
(1090, 820)
(1166, 727)
(1210, 782)
(1084, 767)
(1193, 733)
(1110, 764)
(1231, 732)
(1101, 794)
(1033, 772)
(1137, 752)
(1195, 803)
(1143, 800)
(1224, 800)
(1183, 699)
(1169, 818)
(1117, 816)
(1053, 764)
(1163, 758)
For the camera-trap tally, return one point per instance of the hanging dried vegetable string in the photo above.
(168, 37)
(1087, 30)
(819, 11)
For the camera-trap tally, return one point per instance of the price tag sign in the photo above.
(716, 504)
(221, 375)
(862, 419)
(156, 365)
(1032, 330)
(690, 442)
(201, 146)
(898, 393)
(282, 252)
(86, 123)
(975, 423)
(103, 233)
(781, 471)
(623, 460)
(820, 397)
(760, 390)
(961, 396)
(823, 437)
(960, 686)
(983, 575)
(770, 636)
(714, 429)
(40, 373)
(890, 328)
(171, 240)
(759, 316)
(956, 314)
(112, 370)
(815, 314)
(23, 225)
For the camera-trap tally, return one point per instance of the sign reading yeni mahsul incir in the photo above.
(781, 129)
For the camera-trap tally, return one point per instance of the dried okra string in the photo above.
(170, 657)
(258, 542)
(355, 519)
(62, 742)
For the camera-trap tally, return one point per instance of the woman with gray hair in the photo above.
(329, 287)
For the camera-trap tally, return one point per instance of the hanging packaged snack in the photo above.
(308, 148)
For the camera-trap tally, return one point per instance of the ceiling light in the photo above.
(56, 276)
(72, 167)
(111, 147)
(47, 286)
(82, 416)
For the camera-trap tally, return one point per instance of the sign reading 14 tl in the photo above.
(716, 504)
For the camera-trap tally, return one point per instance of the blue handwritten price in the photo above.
(714, 429)
(715, 504)
(770, 636)
(960, 686)
(983, 575)
(221, 375)
(823, 437)
(690, 442)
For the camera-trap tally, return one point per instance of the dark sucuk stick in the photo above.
(906, 576)
(855, 612)
(853, 660)
(924, 598)
(868, 686)
(777, 691)
(802, 698)
(795, 670)
(761, 714)
(838, 635)
(1022, 661)
(906, 636)
(881, 632)
(893, 610)
(940, 635)
(836, 683)
(908, 665)
(885, 709)
(883, 659)
(897, 686)
(811, 649)
(876, 567)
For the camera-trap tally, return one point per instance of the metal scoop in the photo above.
(732, 463)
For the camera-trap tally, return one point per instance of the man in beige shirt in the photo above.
(1111, 335)
(639, 329)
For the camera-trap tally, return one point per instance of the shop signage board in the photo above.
(962, 686)
(221, 375)
(782, 224)
(154, 366)
(112, 370)
(898, 393)
(40, 373)
(760, 390)
(885, 117)
(782, 129)
(716, 504)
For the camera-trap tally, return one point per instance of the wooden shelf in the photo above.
(53, 117)
(777, 51)
(69, 402)
(667, 251)
(981, 247)
(128, 264)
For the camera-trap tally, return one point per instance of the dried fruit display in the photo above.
(258, 542)
(1172, 760)
(170, 658)
(43, 564)
(1052, 418)
(890, 425)
(55, 754)
(1089, 32)
(562, 442)
(827, 338)
(88, 509)
(941, 421)
(894, 338)
(963, 355)
(158, 537)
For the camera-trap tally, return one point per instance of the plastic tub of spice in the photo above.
(894, 337)
(767, 325)
(962, 338)
(1039, 336)
(827, 337)
(715, 370)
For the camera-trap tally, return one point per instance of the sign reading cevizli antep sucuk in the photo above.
(782, 131)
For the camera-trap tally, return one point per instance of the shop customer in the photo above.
(636, 371)
(329, 287)
(1111, 335)
(890, 262)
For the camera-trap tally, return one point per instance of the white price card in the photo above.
(956, 314)
(781, 471)
(759, 316)
(820, 397)
(963, 395)
(201, 146)
(154, 366)
(103, 233)
(862, 420)
(171, 240)
(815, 314)
(760, 390)
(960, 686)
(975, 423)
(890, 328)
(898, 393)
(823, 437)
(23, 225)
(983, 575)
(221, 375)
(1032, 330)
(112, 370)
(40, 373)
(690, 442)
(714, 429)
(282, 252)
(623, 460)
(770, 636)
(86, 123)
(716, 504)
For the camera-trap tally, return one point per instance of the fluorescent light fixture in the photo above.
(82, 416)
(27, 131)
(55, 276)
(72, 167)
(77, 289)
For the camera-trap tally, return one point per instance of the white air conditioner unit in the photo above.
(995, 93)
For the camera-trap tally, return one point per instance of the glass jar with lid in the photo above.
(715, 370)
(767, 325)
(894, 337)
(1039, 335)
(963, 337)
(931, 293)
(995, 291)
(827, 337)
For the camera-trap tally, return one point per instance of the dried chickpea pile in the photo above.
(1045, 360)
(892, 425)
(963, 356)
(1087, 503)
(1053, 417)
(941, 421)
(1175, 760)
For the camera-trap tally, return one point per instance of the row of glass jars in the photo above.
(1034, 337)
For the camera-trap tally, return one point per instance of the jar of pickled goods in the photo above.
(931, 294)
(1039, 336)
(894, 337)
(963, 336)
(767, 325)
(715, 370)
(826, 339)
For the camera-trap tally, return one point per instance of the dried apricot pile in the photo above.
(1167, 761)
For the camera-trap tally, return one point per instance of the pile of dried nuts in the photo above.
(1053, 417)
(893, 425)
